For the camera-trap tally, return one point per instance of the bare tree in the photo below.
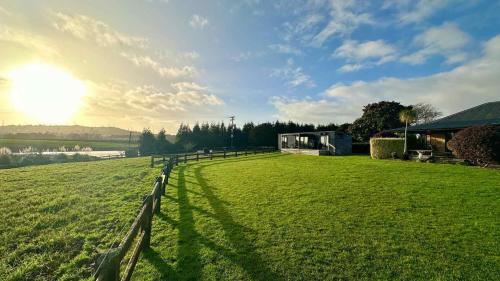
(425, 113)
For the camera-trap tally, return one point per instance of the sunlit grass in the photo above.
(56, 218)
(322, 218)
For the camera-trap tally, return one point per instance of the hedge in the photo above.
(382, 148)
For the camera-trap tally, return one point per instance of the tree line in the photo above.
(376, 117)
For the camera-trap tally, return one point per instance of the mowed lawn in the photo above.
(55, 219)
(293, 217)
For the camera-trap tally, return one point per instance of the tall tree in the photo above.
(163, 146)
(425, 113)
(147, 143)
(377, 117)
(407, 116)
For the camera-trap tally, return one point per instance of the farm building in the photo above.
(316, 143)
(436, 134)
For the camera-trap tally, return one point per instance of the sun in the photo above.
(46, 93)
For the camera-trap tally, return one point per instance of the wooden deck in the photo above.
(314, 152)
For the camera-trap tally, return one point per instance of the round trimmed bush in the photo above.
(479, 145)
(386, 148)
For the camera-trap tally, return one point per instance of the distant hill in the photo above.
(75, 132)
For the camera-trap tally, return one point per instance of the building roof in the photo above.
(484, 114)
(305, 133)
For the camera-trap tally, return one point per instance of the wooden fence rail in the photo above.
(109, 263)
(185, 157)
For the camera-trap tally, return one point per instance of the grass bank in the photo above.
(56, 218)
(299, 217)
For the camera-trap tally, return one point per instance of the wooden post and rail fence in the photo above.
(197, 156)
(108, 266)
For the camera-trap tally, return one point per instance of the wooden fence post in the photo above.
(197, 156)
(224, 153)
(185, 158)
(176, 160)
(146, 223)
(109, 266)
(246, 152)
(157, 194)
(152, 161)
(236, 153)
(211, 155)
(165, 179)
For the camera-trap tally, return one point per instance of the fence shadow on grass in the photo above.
(189, 263)
(243, 251)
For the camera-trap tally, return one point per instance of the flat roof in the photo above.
(298, 133)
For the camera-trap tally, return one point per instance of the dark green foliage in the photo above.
(293, 217)
(480, 144)
(385, 134)
(163, 146)
(377, 117)
(147, 143)
(250, 135)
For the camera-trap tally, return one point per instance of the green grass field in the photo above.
(16, 144)
(326, 218)
(56, 218)
(264, 217)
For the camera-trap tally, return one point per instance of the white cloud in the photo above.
(465, 86)
(285, 49)
(148, 106)
(421, 10)
(198, 21)
(351, 67)
(345, 17)
(164, 71)
(446, 40)
(293, 75)
(353, 50)
(87, 28)
(364, 54)
(28, 40)
(190, 55)
(4, 11)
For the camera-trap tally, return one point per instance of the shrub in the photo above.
(383, 148)
(131, 152)
(5, 160)
(480, 144)
(385, 134)
(61, 158)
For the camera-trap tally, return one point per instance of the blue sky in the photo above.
(156, 63)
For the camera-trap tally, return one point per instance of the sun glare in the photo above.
(45, 93)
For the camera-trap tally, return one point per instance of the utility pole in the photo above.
(231, 125)
(129, 139)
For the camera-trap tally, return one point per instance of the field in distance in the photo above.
(17, 144)
(56, 218)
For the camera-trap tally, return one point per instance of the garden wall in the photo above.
(382, 148)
